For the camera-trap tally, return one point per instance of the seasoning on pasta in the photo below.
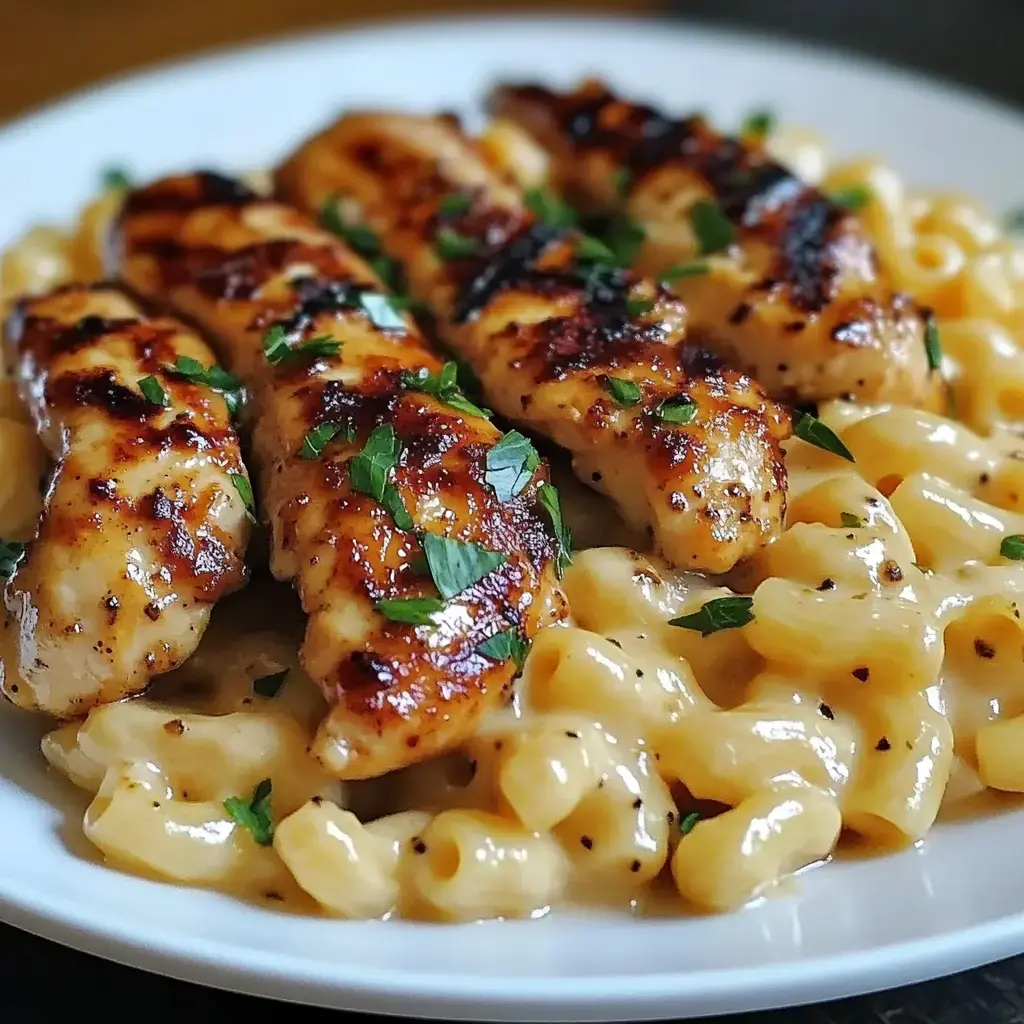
(254, 815)
(688, 821)
(1013, 547)
(718, 614)
(810, 429)
(269, 686)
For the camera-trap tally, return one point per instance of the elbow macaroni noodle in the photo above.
(882, 659)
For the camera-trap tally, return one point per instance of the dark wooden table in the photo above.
(48, 47)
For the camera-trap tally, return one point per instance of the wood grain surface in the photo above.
(52, 47)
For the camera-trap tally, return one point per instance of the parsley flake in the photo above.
(278, 351)
(11, 553)
(687, 822)
(810, 429)
(1013, 220)
(548, 496)
(758, 124)
(444, 386)
(454, 205)
(214, 377)
(932, 347)
(681, 271)
(270, 685)
(622, 180)
(455, 565)
(451, 245)
(392, 501)
(254, 816)
(116, 179)
(416, 611)
(850, 520)
(852, 197)
(511, 464)
(361, 239)
(1012, 546)
(593, 250)
(680, 410)
(317, 439)
(718, 614)
(624, 237)
(505, 645)
(244, 488)
(712, 229)
(625, 392)
(152, 390)
(370, 473)
(550, 210)
(639, 305)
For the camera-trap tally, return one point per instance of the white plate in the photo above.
(853, 927)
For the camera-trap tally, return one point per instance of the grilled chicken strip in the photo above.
(798, 300)
(589, 355)
(144, 522)
(305, 323)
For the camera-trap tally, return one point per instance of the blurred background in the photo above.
(50, 47)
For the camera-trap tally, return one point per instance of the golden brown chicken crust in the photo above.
(241, 265)
(142, 528)
(803, 305)
(544, 329)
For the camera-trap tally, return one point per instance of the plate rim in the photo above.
(481, 996)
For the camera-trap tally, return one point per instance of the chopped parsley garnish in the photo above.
(277, 350)
(549, 497)
(214, 377)
(849, 519)
(451, 245)
(712, 229)
(852, 197)
(639, 305)
(810, 429)
(624, 238)
(244, 488)
(932, 347)
(758, 124)
(314, 443)
(681, 271)
(593, 250)
(382, 311)
(625, 392)
(275, 345)
(392, 501)
(455, 565)
(269, 686)
(416, 611)
(370, 471)
(363, 241)
(681, 410)
(116, 179)
(444, 386)
(550, 210)
(254, 816)
(153, 391)
(372, 466)
(505, 645)
(11, 552)
(622, 179)
(454, 205)
(1013, 220)
(687, 822)
(1013, 547)
(718, 614)
(511, 464)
